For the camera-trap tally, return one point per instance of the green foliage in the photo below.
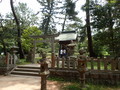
(75, 85)
(101, 42)
(70, 9)
(95, 64)
(72, 87)
(8, 29)
(7, 34)
(56, 79)
(112, 1)
(2, 61)
(56, 12)
(27, 41)
(25, 15)
(90, 86)
(77, 25)
(105, 20)
(48, 10)
(23, 62)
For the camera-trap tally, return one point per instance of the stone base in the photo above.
(3, 70)
(90, 76)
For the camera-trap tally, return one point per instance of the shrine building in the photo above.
(67, 41)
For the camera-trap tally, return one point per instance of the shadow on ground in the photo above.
(26, 83)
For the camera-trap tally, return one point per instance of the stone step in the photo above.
(30, 67)
(27, 69)
(25, 73)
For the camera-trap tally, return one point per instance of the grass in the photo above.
(74, 85)
(23, 62)
(96, 66)
(71, 87)
(56, 79)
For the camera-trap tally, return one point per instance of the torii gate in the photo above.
(51, 39)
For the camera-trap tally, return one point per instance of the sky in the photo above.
(35, 6)
(5, 5)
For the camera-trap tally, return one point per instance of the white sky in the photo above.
(5, 5)
(35, 6)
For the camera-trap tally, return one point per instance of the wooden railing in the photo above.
(66, 63)
(10, 61)
(103, 64)
(106, 64)
(7, 63)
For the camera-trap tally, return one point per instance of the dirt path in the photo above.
(26, 83)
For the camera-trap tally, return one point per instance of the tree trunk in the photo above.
(30, 57)
(90, 46)
(47, 25)
(3, 42)
(111, 23)
(46, 22)
(4, 47)
(63, 26)
(19, 31)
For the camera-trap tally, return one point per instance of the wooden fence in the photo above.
(7, 63)
(66, 63)
(11, 60)
(98, 64)
(103, 64)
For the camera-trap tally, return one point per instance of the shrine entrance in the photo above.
(51, 39)
(67, 41)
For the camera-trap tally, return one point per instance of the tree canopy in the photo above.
(100, 34)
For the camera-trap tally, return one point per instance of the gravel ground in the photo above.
(26, 83)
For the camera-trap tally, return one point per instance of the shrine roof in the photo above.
(67, 36)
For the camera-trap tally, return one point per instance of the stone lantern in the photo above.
(44, 72)
(13, 51)
(82, 60)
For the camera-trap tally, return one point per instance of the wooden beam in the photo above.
(40, 41)
(53, 52)
(45, 36)
(52, 40)
(34, 51)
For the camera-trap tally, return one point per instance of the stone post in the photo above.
(53, 52)
(14, 50)
(44, 72)
(82, 68)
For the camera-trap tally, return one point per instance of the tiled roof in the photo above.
(66, 36)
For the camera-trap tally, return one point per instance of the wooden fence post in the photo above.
(92, 66)
(57, 60)
(112, 64)
(7, 60)
(63, 62)
(98, 64)
(118, 64)
(82, 70)
(68, 63)
(105, 64)
(53, 52)
(44, 73)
